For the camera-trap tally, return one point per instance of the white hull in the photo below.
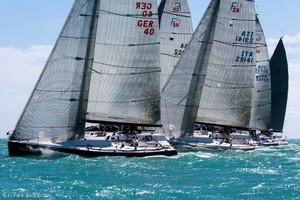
(221, 146)
(207, 142)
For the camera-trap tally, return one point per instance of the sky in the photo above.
(29, 28)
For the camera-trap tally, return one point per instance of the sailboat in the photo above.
(280, 85)
(212, 83)
(104, 69)
(176, 30)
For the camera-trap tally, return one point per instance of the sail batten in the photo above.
(130, 44)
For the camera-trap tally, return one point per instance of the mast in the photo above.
(198, 76)
(161, 8)
(280, 85)
(86, 77)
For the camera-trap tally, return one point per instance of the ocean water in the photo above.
(268, 173)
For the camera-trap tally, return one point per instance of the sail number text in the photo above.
(245, 37)
(180, 51)
(146, 12)
(262, 73)
(245, 57)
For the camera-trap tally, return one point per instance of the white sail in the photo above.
(126, 69)
(213, 80)
(261, 106)
(227, 89)
(56, 107)
(176, 30)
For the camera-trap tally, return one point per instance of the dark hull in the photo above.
(21, 149)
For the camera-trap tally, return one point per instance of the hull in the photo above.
(26, 149)
(217, 146)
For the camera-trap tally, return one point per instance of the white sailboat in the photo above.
(103, 69)
(213, 82)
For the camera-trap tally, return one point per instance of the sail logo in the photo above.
(236, 7)
(258, 38)
(175, 22)
(258, 50)
(176, 7)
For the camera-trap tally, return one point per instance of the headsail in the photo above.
(279, 84)
(176, 30)
(57, 105)
(213, 80)
(261, 106)
(126, 69)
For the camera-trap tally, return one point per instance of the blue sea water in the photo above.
(268, 173)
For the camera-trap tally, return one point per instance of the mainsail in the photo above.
(56, 107)
(213, 81)
(227, 89)
(261, 106)
(126, 69)
(279, 84)
(104, 67)
(175, 32)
